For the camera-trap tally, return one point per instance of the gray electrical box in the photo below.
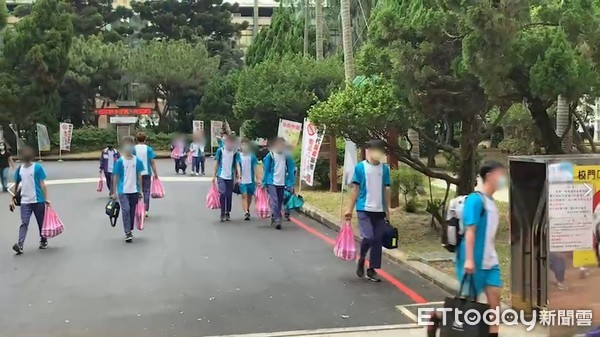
(554, 204)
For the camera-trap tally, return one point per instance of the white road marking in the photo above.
(328, 331)
(95, 180)
(404, 309)
(407, 313)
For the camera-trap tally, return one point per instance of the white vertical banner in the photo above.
(312, 138)
(350, 161)
(197, 126)
(66, 133)
(215, 130)
(42, 137)
(290, 131)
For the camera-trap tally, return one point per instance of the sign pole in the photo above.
(40, 154)
(60, 156)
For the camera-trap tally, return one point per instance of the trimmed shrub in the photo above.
(514, 146)
(408, 181)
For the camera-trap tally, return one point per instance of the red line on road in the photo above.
(391, 279)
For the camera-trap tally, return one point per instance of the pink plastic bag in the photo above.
(212, 198)
(262, 203)
(52, 226)
(176, 153)
(156, 189)
(140, 214)
(345, 245)
(100, 184)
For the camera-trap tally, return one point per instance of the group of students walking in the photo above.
(239, 166)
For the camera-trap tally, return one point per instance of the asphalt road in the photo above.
(186, 274)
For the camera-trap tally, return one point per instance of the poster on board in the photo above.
(215, 130)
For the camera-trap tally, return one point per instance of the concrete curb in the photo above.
(429, 273)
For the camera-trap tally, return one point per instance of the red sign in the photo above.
(124, 111)
(311, 129)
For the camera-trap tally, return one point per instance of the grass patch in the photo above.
(416, 232)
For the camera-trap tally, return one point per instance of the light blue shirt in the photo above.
(30, 180)
(146, 154)
(224, 158)
(125, 179)
(480, 211)
(248, 163)
(372, 181)
(269, 171)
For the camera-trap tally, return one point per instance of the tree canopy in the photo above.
(284, 88)
(171, 69)
(35, 61)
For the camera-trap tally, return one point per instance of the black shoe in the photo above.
(372, 275)
(128, 237)
(286, 217)
(43, 244)
(222, 218)
(227, 217)
(360, 269)
(18, 248)
(278, 226)
(247, 216)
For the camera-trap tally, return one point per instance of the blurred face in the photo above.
(376, 154)
(279, 146)
(2, 146)
(127, 148)
(497, 178)
(245, 147)
(230, 144)
(27, 155)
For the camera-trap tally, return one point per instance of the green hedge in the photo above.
(88, 139)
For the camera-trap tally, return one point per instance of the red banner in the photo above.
(124, 111)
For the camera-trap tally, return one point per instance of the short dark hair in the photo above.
(140, 137)
(375, 144)
(489, 166)
(230, 138)
(245, 140)
(127, 140)
(279, 139)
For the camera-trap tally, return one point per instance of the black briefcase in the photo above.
(457, 325)
(390, 236)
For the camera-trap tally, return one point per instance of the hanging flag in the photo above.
(197, 126)
(350, 161)
(66, 133)
(290, 131)
(312, 138)
(43, 138)
(215, 130)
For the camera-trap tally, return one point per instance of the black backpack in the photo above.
(112, 209)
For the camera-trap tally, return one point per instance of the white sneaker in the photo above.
(196, 174)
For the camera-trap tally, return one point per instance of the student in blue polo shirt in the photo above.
(371, 196)
(279, 174)
(226, 171)
(247, 164)
(30, 178)
(477, 251)
(476, 256)
(127, 183)
(146, 154)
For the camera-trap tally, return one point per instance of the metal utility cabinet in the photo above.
(554, 215)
